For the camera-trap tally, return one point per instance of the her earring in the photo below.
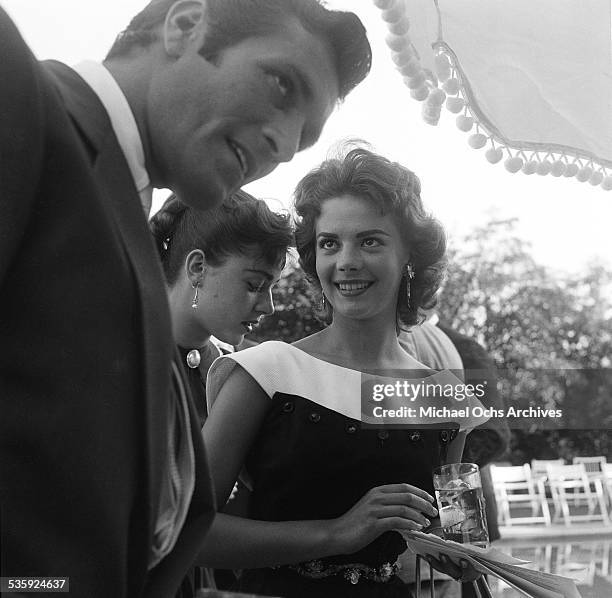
(323, 302)
(409, 274)
(194, 302)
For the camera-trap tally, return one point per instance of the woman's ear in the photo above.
(195, 266)
(185, 24)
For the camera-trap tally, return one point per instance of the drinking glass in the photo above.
(461, 504)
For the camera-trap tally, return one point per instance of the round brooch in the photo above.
(193, 358)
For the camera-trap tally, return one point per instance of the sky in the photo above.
(567, 223)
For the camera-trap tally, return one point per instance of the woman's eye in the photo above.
(327, 243)
(371, 243)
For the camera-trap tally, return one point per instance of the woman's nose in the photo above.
(265, 305)
(348, 259)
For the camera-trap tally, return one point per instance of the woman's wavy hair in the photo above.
(394, 190)
(232, 21)
(241, 225)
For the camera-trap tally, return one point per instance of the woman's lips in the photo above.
(350, 288)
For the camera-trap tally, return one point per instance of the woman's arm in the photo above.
(238, 543)
(233, 422)
(235, 542)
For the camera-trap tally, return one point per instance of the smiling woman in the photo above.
(329, 495)
(375, 210)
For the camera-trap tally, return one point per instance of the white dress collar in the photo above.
(282, 368)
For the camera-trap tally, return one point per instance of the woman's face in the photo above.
(234, 296)
(360, 256)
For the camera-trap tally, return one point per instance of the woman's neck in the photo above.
(361, 345)
(186, 334)
(184, 337)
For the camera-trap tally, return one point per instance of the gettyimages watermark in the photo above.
(522, 399)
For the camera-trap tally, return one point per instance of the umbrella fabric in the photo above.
(531, 82)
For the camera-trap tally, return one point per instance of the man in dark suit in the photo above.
(103, 473)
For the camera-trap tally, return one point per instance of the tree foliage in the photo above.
(549, 334)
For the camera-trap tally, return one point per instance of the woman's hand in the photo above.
(460, 571)
(384, 508)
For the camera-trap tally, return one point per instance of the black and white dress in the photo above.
(313, 460)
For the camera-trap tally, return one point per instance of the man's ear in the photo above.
(195, 265)
(184, 25)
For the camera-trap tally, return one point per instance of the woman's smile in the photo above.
(351, 288)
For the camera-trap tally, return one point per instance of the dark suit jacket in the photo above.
(85, 346)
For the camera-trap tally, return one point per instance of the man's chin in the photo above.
(203, 197)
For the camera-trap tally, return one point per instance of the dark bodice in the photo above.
(310, 462)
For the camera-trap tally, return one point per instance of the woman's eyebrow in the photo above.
(374, 231)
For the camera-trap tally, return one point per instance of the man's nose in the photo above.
(283, 136)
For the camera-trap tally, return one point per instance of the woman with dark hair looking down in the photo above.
(220, 267)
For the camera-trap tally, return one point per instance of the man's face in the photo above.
(214, 126)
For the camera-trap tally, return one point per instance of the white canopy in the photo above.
(530, 81)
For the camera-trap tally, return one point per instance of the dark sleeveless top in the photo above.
(312, 459)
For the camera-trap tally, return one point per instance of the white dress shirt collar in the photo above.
(103, 84)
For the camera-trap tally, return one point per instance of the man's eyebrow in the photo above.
(374, 231)
(328, 235)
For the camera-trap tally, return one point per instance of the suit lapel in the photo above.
(116, 184)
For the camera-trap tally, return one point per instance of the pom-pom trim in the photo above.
(449, 87)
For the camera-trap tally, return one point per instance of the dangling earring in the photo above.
(194, 302)
(409, 274)
(322, 306)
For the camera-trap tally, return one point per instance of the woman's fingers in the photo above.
(406, 497)
(399, 524)
(403, 512)
(406, 488)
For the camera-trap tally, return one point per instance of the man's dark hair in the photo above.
(231, 21)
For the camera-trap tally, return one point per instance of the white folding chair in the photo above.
(515, 486)
(571, 483)
(540, 473)
(595, 469)
(607, 481)
(594, 466)
(539, 466)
